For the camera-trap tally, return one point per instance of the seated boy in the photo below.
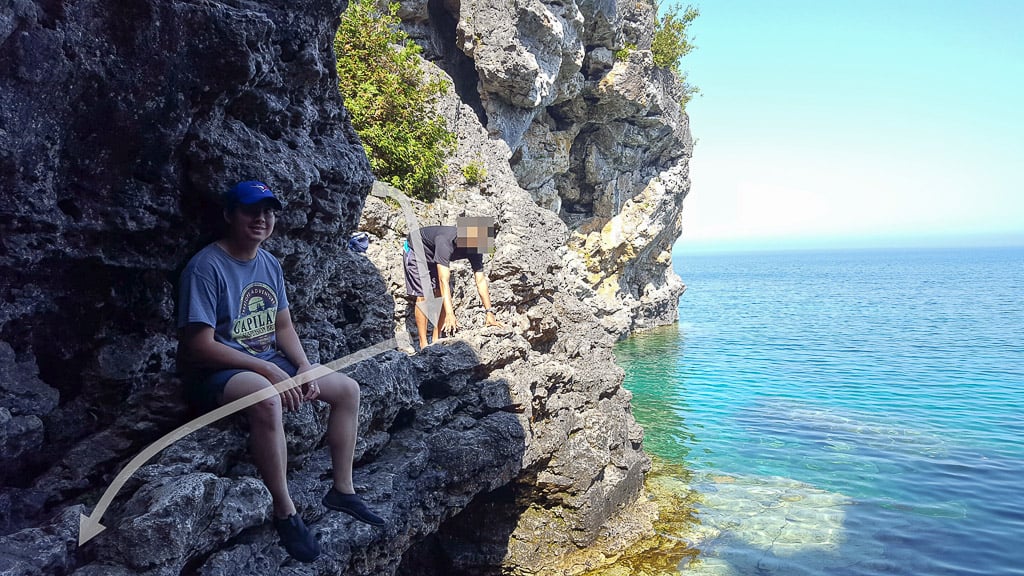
(236, 337)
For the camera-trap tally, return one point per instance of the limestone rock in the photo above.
(625, 267)
(173, 518)
(119, 129)
(43, 550)
(527, 55)
(21, 391)
(550, 366)
(587, 131)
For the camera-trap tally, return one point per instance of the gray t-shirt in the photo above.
(240, 300)
(439, 247)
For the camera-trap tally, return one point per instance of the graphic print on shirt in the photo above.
(254, 326)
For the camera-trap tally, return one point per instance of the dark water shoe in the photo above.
(298, 541)
(351, 504)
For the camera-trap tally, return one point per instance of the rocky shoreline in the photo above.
(119, 129)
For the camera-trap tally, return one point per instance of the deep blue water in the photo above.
(892, 380)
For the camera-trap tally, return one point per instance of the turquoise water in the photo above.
(857, 412)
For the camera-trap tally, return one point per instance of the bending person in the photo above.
(469, 240)
(236, 337)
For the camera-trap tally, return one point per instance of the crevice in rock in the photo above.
(434, 388)
(426, 558)
(404, 419)
(516, 158)
(460, 547)
(573, 213)
(580, 207)
(608, 393)
(453, 61)
(70, 208)
(562, 120)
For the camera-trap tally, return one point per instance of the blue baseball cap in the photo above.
(251, 192)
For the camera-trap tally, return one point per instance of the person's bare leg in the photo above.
(266, 438)
(421, 322)
(342, 393)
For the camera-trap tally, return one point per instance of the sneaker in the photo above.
(298, 541)
(351, 504)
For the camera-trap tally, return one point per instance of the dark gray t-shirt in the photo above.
(439, 247)
(240, 300)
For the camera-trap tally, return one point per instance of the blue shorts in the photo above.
(205, 390)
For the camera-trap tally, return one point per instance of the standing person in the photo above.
(470, 239)
(235, 337)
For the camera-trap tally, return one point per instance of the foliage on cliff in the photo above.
(389, 97)
(671, 42)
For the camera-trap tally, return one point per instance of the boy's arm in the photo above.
(444, 274)
(289, 343)
(288, 340)
(485, 298)
(204, 351)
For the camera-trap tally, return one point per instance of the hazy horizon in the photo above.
(779, 244)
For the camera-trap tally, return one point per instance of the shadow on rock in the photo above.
(434, 432)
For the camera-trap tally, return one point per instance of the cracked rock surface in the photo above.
(496, 451)
(594, 130)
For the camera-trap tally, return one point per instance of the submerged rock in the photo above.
(729, 525)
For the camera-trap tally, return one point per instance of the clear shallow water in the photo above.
(855, 412)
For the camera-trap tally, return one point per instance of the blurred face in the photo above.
(252, 223)
(475, 234)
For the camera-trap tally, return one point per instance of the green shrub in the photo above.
(389, 97)
(689, 91)
(623, 54)
(474, 173)
(671, 43)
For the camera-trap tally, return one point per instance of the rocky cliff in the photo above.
(508, 449)
(595, 131)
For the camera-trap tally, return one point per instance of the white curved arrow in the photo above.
(89, 526)
(431, 305)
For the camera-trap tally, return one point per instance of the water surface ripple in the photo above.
(855, 412)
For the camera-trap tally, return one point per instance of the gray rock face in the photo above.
(112, 151)
(118, 129)
(24, 400)
(588, 133)
(44, 550)
(551, 366)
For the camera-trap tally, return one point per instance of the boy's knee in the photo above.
(266, 411)
(350, 388)
(347, 390)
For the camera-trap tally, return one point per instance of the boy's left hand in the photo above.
(311, 389)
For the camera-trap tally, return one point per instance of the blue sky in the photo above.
(839, 123)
